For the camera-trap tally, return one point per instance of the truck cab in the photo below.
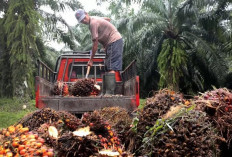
(71, 67)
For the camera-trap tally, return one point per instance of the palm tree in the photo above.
(175, 43)
(23, 27)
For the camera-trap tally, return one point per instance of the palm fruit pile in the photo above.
(168, 125)
(115, 115)
(87, 142)
(70, 145)
(36, 119)
(103, 130)
(190, 134)
(157, 106)
(70, 120)
(59, 133)
(218, 106)
(119, 119)
(211, 100)
(49, 116)
(154, 109)
(17, 141)
(84, 87)
(50, 132)
(41, 120)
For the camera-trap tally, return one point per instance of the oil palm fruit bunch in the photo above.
(83, 87)
(156, 107)
(191, 134)
(49, 133)
(114, 115)
(70, 120)
(71, 145)
(103, 130)
(58, 86)
(119, 119)
(37, 118)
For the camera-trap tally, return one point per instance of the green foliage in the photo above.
(46, 54)
(59, 6)
(194, 35)
(6, 87)
(21, 27)
(11, 110)
(5, 74)
(10, 118)
(22, 30)
(142, 103)
(180, 43)
(52, 21)
(3, 5)
(135, 124)
(171, 60)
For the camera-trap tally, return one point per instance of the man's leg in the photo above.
(113, 64)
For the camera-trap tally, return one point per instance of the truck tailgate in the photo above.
(85, 104)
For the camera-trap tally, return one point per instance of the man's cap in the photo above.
(80, 15)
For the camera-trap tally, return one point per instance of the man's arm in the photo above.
(94, 50)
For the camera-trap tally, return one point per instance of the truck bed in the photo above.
(85, 104)
(124, 98)
(127, 93)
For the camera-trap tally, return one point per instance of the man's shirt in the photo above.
(103, 30)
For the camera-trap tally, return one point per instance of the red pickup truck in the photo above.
(71, 67)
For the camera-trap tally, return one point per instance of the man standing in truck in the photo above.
(102, 31)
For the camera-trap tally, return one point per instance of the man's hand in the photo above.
(90, 63)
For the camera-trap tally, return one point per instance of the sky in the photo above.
(88, 5)
(69, 17)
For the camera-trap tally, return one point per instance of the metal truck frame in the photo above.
(127, 84)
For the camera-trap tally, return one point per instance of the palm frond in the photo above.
(149, 19)
(50, 25)
(149, 35)
(157, 6)
(215, 61)
(59, 6)
(154, 56)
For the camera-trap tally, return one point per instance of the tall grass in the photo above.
(12, 110)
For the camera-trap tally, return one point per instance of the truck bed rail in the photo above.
(130, 71)
(131, 81)
(45, 72)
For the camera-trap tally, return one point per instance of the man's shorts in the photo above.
(114, 56)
